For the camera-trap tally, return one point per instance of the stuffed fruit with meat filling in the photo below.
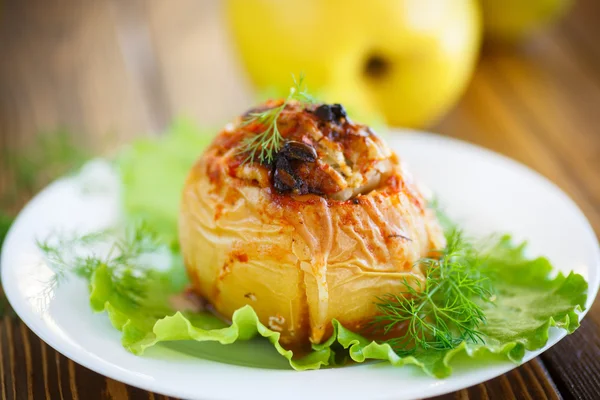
(316, 231)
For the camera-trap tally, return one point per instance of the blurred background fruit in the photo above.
(511, 20)
(408, 60)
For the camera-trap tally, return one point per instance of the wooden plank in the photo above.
(139, 54)
(529, 381)
(116, 390)
(581, 30)
(15, 379)
(557, 98)
(63, 68)
(7, 361)
(574, 363)
(202, 77)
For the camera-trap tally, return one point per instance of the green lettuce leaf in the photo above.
(153, 172)
(528, 303)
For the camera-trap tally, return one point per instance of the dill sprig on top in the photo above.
(264, 145)
(445, 309)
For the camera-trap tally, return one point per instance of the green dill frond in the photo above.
(79, 255)
(264, 145)
(446, 309)
(300, 91)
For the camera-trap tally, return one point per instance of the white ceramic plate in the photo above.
(484, 191)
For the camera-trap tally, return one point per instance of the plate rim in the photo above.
(108, 370)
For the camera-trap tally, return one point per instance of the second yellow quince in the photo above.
(408, 60)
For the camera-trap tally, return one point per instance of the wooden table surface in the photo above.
(107, 71)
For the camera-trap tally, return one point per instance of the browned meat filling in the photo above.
(324, 153)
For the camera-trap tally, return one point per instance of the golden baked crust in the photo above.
(304, 253)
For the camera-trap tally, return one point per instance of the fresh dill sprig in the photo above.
(124, 259)
(264, 145)
(445, 309)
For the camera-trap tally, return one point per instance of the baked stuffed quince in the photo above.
(316, 228)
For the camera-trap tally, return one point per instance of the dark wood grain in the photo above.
(529, 381)
(62, 65)
(45, 374)
(114, 70)
(574, 363)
